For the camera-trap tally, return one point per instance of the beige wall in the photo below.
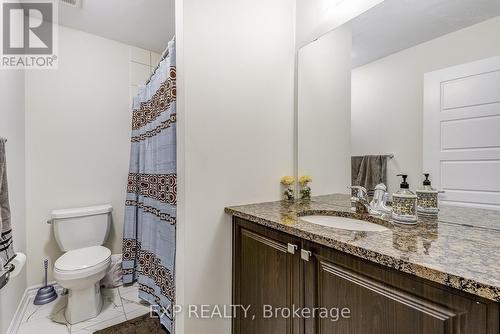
(12, 128)
(77, 137)
(387, 96)
(235, 133)
(324, 112)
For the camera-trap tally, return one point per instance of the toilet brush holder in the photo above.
(47, 293)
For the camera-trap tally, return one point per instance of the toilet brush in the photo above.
(47, 293)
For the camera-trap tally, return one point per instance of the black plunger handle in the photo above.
(46, 265)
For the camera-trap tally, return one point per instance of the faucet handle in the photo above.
(362, 192)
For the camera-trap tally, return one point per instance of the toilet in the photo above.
(80, 233)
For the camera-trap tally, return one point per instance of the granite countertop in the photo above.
(459, 249)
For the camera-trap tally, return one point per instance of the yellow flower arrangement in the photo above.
(287, 180)
(289, 193)
(305, 179)
(305, 191)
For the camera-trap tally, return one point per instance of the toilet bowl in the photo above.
(80, 271)
(80, 233)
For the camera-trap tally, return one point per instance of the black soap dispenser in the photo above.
(427, 199)
(404, 203)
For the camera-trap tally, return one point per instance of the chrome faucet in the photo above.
(379, 203)
(359, 202)
(378, 206)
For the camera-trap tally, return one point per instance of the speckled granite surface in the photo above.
(460, 249)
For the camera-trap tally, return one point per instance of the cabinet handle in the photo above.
(305, 254)
(292, 248)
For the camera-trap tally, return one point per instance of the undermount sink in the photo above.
(344, 223)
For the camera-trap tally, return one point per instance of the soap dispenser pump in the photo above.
(427, 199)
(404, 203)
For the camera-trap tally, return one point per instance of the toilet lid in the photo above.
(82, 258)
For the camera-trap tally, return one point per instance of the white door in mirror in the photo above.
(345, 223)
(462, 133)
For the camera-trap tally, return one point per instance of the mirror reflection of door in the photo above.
(462, 132)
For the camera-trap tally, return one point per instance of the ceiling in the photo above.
(392, 26)
(148, 24)
(395, 25)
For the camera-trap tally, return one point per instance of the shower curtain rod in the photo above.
(389, 156)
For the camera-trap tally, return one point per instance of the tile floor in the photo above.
(120, 304)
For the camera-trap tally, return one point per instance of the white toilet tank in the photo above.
(81, 227)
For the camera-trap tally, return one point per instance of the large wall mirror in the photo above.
(409, 86)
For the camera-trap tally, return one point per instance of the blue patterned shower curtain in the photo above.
(150, 211)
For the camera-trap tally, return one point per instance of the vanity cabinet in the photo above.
(266, 271)
(269, 270)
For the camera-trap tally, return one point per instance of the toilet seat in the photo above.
(82, 262)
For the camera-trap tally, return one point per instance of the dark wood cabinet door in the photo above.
(264, 273)
(376, 308)
(384, 301)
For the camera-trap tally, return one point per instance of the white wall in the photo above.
(387, 96)
(235, 133)
(142, 64)
(317, 17)
(12, 128)
(324, 112)
(77, 137)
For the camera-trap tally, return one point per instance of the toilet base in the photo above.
(83, 304)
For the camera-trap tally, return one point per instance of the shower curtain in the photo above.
(150, 208)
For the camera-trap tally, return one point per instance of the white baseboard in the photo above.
(23, 305)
